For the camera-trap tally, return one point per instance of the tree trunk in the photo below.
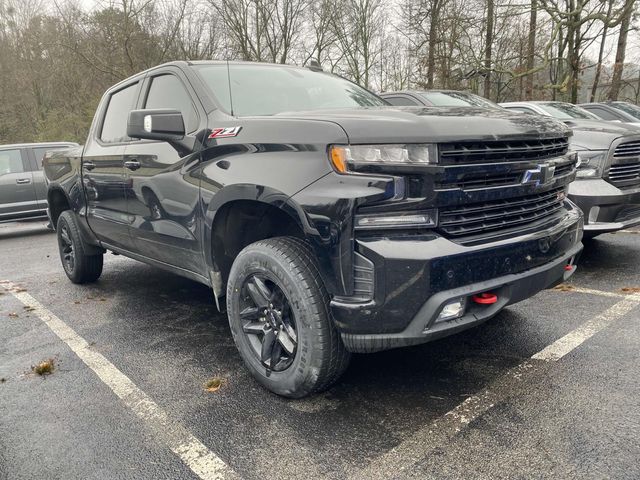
(531, 50)
(487, 51)
(596, 78)
(616, 81)
(431, 54)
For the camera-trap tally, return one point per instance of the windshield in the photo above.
(567, 111)
(629, 108)
(269, 89)
(457, 99)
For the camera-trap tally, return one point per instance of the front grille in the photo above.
(502, 151)
(629, 149)
(475, 180)
(487, 217)
(625, 174)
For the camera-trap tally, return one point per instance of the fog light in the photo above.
(593, 214)
(452, 310)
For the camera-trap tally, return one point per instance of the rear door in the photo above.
(103, 174)
(17, 193)
(163, 195)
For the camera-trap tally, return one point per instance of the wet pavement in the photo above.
(393, 414)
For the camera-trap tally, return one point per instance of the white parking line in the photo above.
(601, 293)
(439, 432)
(577, 337)
(202, 461)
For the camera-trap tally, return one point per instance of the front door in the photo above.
(163, 194)
(103, 172)
(17, 194)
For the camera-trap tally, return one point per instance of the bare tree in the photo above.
(625, 24)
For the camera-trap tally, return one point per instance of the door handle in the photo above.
(88, 165)
(132, 164)
(21, 181)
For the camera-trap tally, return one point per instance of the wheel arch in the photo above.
(239, 215)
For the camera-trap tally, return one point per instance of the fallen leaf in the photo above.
(630, 290)
(44, 368)
(564, 287)
(214, 384)
(13, 314)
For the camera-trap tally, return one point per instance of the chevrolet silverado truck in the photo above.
(325, 220)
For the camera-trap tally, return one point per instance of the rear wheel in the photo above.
(79, 267)
(279, 316)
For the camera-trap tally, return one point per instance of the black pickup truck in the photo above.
(328, 221)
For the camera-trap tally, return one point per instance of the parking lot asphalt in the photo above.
(474, 405)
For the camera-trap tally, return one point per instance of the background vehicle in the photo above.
(437, 98)
(333, 222)
(615, 111)
(557, 110)
(608, 190)
(23, 193)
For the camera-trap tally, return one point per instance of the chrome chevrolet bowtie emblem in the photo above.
(539, 176)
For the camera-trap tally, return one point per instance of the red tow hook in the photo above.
(569, 268)
(485, 298)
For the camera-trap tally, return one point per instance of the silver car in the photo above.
(23, 193)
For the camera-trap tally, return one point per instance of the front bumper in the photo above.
(606, 207)
(416, 276)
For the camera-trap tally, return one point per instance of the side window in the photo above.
(401, 101)
(11, 162)
(522, 110)
(114, 125)
(40, 151)
(167, 91)
(604, 114)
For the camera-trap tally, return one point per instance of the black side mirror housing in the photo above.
(165, 125)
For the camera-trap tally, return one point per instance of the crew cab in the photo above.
(325, 221)
(23, 193)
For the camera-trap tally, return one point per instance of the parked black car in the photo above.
(333, 222)
(615, 111)
(23, 193)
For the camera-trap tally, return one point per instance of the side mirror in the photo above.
(164, 125)
(167, 125)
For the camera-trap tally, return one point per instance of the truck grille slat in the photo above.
(505, 151)
(500, 215)
(629, 149)
(625, 175)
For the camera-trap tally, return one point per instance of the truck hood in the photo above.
(434, 124)
(598, 135)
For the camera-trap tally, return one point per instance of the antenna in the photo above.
(229, 81)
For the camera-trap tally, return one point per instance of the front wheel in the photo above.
(79, 267)
(279, 315)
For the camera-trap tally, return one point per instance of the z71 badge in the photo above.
(224, 132)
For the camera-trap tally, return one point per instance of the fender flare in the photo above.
(274, 198)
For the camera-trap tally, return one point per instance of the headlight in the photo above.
(591, 163)
(345, 157)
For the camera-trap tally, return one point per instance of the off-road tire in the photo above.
(320, 357)
(83, 268)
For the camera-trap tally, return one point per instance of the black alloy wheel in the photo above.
(268, 322)
(67, 250)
